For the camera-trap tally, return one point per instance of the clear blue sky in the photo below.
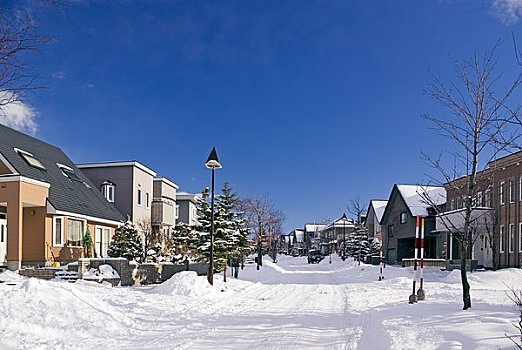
(309, 102)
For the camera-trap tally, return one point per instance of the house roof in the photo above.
(185, 196)
(419, 198)
(378, 207)
(165, 180)
(65, 194)
(128, 163)
(314, 227)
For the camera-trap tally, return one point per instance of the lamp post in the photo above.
(212, 163)
(330, 241)
(344, 236)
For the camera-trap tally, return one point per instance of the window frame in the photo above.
(139, 195)
(147, 200)
(82, 233)
(511, 240)
(403, 215)
(480, 198)
(501, 194)
(520, 237)
(30, 159)
(62, 218)
(511, 184)
(502, 231)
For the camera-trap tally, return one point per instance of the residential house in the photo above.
(406, 203)
(187, 208)
(312, 236)
(373, 220)
(128, 184)
(336, 234)
(47, 204)
(496, 215)
(164, 208)
(296, 243)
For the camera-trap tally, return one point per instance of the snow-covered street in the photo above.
(288, 305)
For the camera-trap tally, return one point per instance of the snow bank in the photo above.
(186, 283)
(10, 276)
(103, 272)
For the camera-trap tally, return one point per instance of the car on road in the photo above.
(315, 256)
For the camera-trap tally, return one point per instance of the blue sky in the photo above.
(309, 102)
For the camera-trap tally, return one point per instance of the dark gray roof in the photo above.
(64, 194)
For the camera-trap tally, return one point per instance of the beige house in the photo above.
(129, 185)
(164, 206)
(46, 204)
(187, 210)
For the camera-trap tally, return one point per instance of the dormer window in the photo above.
(69, 172)
(30, 159)
(107, 189)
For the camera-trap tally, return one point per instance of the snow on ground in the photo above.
(288, 305)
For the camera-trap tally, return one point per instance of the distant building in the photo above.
(164, 207)
(312, 236)
(187, 209)
(406, 203)
(373, 220)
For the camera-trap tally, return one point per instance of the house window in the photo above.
(101, 241)
(479, 203)
(452, 205)
(502, 238)
(139, 195)
(177, 211)
(30, 159)
(501, 193)
(520, 189)
(75, 230)
(459, 203)
(2, 233)
(107, 189)
(69, 172)
(404, 217)
(58, 232)
(487, 198)
(511, 242)
(511, 191)
(520, 237)
(390, 230)
(147, 200)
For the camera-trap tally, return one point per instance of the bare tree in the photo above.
(19, 36)
(477, 125)
(357, 208)
(264, 220)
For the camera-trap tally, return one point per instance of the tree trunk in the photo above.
(466, 297)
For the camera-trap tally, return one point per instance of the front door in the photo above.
(3, 239)
(483, 251)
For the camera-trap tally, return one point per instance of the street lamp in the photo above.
(330, 241)
(344, 236)
(212, 163)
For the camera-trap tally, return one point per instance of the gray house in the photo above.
(406, 203)
(187, 209)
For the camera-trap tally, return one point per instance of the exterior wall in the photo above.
(392, 251)
(503, 170)
(34, 236)
(186, 212)
(124, 186)
(4, 169)
(164, 204)
(145, 181)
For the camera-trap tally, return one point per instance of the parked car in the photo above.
(315, 256)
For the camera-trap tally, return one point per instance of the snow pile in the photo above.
(103, 272)
(10, 277)
(186, 283)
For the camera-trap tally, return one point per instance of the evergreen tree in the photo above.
(375, 247)
(126, 243)
(184, 242)
(359, 245)
(87, 243)
(203, 229)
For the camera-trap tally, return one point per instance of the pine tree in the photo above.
(126, 243)
(184, 241)
(358, 244)
(87, 243)
(203, 229)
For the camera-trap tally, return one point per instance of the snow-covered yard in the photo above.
(288, 305)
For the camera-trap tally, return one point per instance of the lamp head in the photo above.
(213, 160)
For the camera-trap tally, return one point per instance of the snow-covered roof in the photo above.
(299, 236)
(419, 198)
(378, 208)
(314, 227)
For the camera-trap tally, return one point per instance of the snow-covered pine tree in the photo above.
(203, 229)
(232, 234)
(361, 246)
(126, 243)
(375, 247)
(184, 242)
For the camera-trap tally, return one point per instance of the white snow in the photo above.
(418, 198)
(103, 272)
(288, 305)
(378, 208)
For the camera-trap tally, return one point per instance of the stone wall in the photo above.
(132, 273)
